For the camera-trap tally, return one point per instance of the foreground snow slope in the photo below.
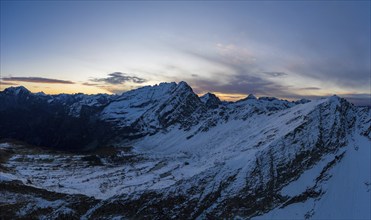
(346, 192)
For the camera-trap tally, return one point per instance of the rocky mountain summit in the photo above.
(79, 122)
(162, 152)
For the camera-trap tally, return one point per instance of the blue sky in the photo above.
(269, 48)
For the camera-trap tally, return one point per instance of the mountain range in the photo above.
(163, 152)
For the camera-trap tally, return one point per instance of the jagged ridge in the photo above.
(134, 114)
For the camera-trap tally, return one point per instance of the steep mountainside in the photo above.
(149, 109)
(67, 122)
(178, 156)
(79, 122)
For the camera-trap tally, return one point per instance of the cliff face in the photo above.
(52, 121)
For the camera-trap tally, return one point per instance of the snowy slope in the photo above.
(345, 194)
(263, 158)
(235, 147)
(76, 102)
(148, 109)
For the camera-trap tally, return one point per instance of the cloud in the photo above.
(245, 76)
(348, 70)
(275, 74)
(241, 84)
(7, 83)
(36, 80)
(90, 84)
(310, 88)
(118, 78)
(114, 90)
(234, 54)
(358, 99)
(115, 82)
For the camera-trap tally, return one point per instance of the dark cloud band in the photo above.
(117, 78)
(275, 74)
(310, 88)
(36, 80)
(90, 84)
(7, 83)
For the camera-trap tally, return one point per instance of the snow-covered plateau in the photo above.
(162, 152)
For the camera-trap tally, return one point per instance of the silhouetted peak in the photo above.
(250, 96)
(210, 100)
(19, 90)
(268, 98)
(184, 86)
(302, 101)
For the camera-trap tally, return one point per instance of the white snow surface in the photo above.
(230, 147)
(347, 194)
(131, 105)
(6, 177)
(75, 102)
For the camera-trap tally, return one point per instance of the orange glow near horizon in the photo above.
(232, 97)
(53, 89)
(58, 89)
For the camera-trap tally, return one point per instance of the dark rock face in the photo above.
(54, 205)
(302, 101)
(211, 101)
(184, 104)
(31, 118)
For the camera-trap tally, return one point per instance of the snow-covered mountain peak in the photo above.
(335, 99)
(150, 108)
(302, 101)
(183, 89)
(41, 93)
(210, 100)
(266, 98)
(205, 97)
(184, 85)
(18, 90)
(251, 96)
(155, 92)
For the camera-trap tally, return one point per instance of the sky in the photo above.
(285, 49)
